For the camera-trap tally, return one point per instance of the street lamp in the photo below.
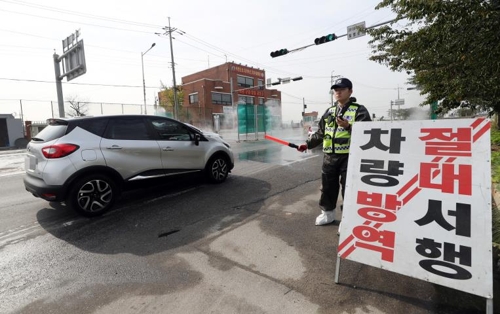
(143, 80)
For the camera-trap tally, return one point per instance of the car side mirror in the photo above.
(197, 139)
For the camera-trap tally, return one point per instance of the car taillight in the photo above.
(59, 150)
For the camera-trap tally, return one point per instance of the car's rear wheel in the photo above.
(217, 169)
(92, 195)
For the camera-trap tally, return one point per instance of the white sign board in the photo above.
(285, 80)
(356, 30)
(227, 110)
(399, 102)
(420, 201)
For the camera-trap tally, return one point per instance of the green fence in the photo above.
(265, 120)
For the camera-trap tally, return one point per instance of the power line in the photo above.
(200, 41)
(26, 34)
(91, 16)
(309, 101)
(86, 102)
(185, 43)
(83, 23)
(116, 21)
(73, 83)
(189, 36)
(211, 46)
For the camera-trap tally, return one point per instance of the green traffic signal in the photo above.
(279, 53)
(325, 39)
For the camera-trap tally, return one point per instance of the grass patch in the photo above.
(495, 181)
(495, 157)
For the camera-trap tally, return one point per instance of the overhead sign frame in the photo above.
(74, 64)
(73, 57)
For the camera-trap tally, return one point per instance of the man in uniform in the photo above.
(334, 132)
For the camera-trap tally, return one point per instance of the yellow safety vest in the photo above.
(337, 139)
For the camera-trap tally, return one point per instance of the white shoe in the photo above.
(326, 217)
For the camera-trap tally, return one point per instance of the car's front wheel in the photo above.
(92, 195)
(217, 169)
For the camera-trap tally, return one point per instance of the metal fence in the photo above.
(241, 117)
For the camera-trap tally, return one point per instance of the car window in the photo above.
(170, 130)
(95, 126)
(194, 127)
(51, 132)
(128, 129)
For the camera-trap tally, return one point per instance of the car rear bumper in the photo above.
(37, 187)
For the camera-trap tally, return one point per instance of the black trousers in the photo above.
(333, 176)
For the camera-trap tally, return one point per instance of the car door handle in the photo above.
(167, 149)
(114, 147)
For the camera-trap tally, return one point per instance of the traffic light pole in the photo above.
(284, 51)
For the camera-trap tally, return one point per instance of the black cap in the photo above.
(342, 82)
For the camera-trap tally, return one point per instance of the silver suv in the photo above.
(85, 161)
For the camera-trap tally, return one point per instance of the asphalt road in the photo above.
(248, 245)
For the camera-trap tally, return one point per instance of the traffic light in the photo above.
(279, 53)
(434, 108)
(325, 39)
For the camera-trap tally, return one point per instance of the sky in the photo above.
(117, 33)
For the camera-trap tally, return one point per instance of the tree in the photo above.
(166, 99)
(77, 107)
(452, 49)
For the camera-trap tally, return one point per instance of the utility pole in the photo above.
(176, 108)
(156, 103)
(235, 113)
(22, 117)
(390, 113)
(143, 80)
(168, 31)
(399, 104)
(331, 84)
